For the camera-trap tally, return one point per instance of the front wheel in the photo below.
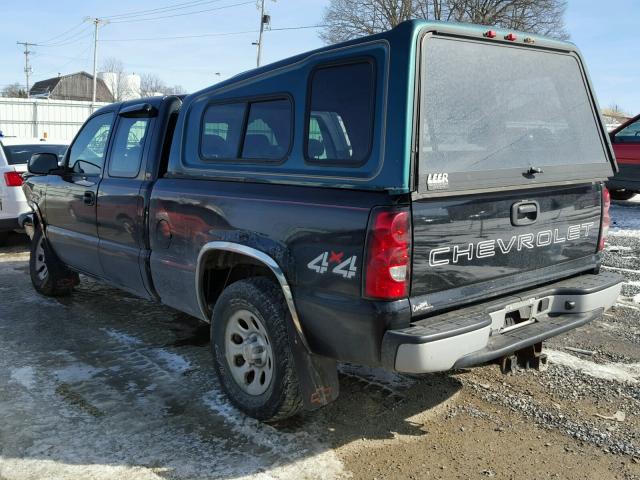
(622, 194)
(251, 350)
(49, 275)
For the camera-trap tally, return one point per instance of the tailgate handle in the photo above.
(525, 212)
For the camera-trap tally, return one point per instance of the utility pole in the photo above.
(264, 20)
(96, 23)
(27, 67)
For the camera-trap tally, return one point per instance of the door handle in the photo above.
(89, 198)
(525, 212)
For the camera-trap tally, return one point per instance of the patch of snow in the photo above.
(636, 299)
(616, 269)
(30, 296)
(617, 248)
(121, 337)
(619, 372)
(24, 376)
(174, 362)
(77, 372)
(301, 456)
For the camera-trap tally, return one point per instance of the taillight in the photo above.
(388, 261)
(12, 179)
(605, 222)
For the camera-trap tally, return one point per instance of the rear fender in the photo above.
(318, 376)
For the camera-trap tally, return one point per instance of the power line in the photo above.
(184, 14)
(75, 38)
(82, 56)
(221, 34)
(62, 34)
(168, 8)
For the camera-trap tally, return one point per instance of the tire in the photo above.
(262, 348)
(622, 194)
(49, 275)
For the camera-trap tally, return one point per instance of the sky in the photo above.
(605, 32)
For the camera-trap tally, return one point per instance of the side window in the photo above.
(126, 153)
(222, 130)
(268, 130)
(629, 134)
(340, 116)
(87, 152)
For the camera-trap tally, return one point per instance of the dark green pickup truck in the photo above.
(424, 199)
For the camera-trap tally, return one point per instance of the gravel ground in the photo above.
(104, 385)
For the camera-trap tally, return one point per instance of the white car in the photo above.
(14, 155)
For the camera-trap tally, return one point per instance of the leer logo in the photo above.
(437, 181)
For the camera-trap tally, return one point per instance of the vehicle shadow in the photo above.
(105, 384)
(14, 242)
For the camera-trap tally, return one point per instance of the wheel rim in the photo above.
(40, 261)
(248, 352)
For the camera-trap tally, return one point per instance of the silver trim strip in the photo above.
(265, 259)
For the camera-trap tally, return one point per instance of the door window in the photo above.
(87, 152)
(126, 153)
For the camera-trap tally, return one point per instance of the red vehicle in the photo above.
(626, 145)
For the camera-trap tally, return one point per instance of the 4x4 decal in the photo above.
(345, 268)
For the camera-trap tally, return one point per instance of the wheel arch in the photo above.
(258, 258)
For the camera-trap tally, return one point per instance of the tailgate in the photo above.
(472, 244)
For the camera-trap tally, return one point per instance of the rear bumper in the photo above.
(478, 334)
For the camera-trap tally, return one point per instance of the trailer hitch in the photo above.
(529, 357)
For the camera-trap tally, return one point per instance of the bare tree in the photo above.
(15, 90)
(347, 19)
(615, 110)
(151, 84)
(117, 83)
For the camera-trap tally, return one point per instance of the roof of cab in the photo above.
(154, 101)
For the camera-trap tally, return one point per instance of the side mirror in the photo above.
(43, 163)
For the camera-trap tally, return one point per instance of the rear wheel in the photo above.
(251, 350)
(49, 275)
(622, 194)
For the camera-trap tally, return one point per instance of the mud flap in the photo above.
(317, 375)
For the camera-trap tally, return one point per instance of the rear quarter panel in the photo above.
(316, 235)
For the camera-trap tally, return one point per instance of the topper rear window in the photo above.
(489, 113)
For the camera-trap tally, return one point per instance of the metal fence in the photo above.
(59, 119)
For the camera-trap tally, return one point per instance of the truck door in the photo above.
(71, 197)
(121, 205)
